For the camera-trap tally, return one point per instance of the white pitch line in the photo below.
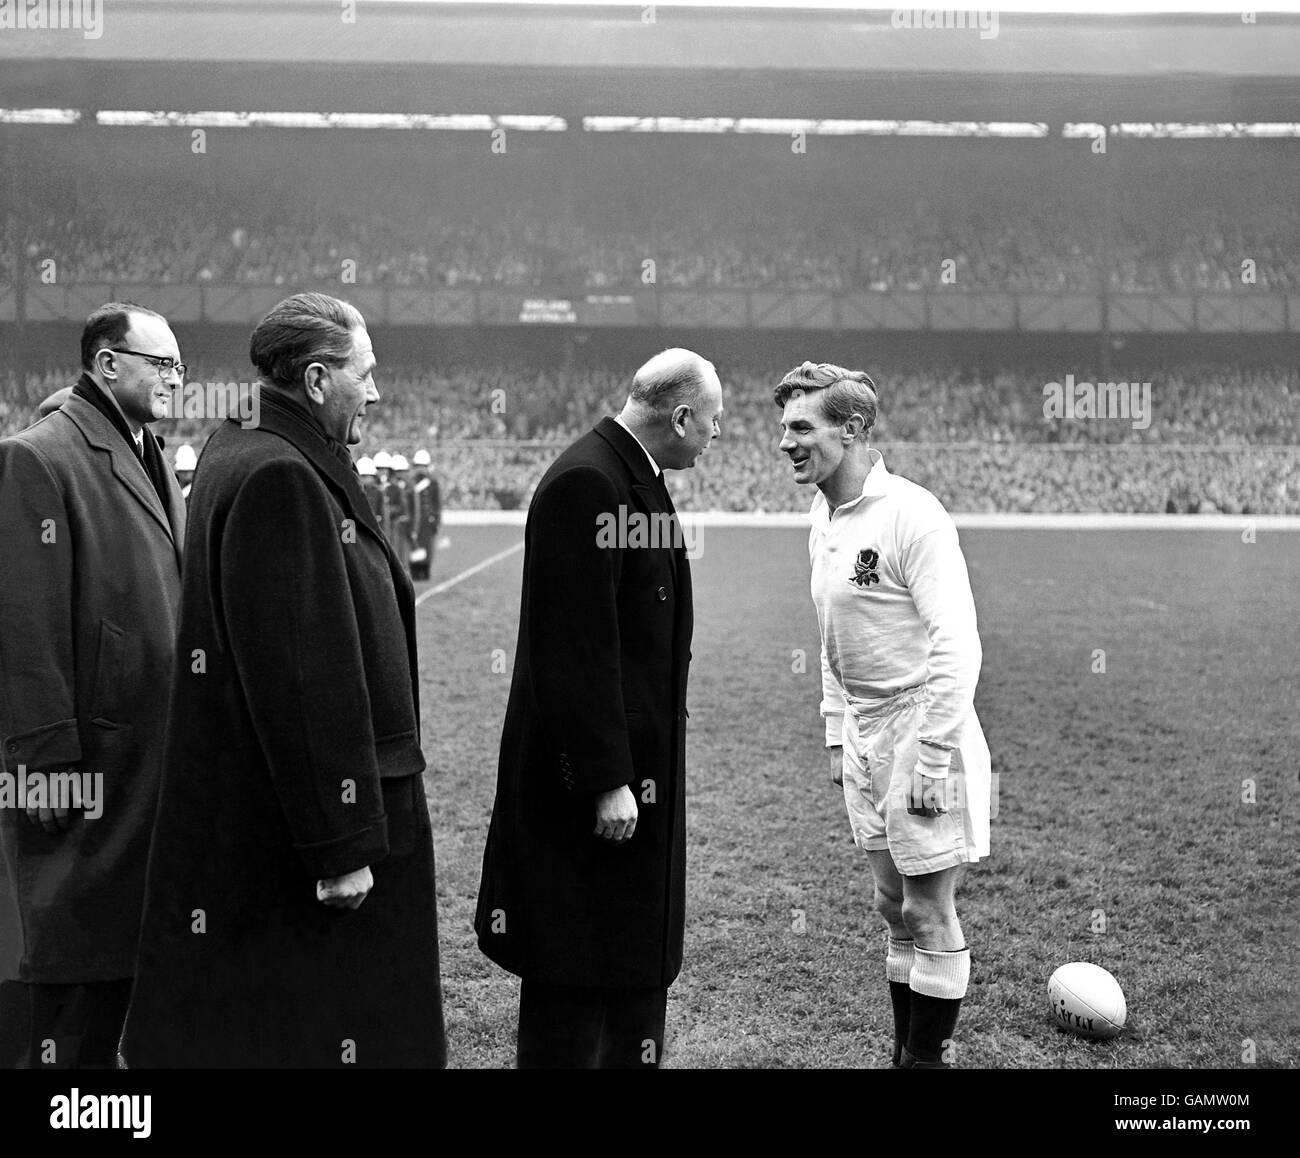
(447, 584)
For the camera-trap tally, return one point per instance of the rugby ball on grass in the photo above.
(1087, 1000)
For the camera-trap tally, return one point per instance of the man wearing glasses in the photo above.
(93, 524)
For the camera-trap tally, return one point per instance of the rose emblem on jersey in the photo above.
(866, 570)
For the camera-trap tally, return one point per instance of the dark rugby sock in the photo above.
(898, 970)
(938, 985)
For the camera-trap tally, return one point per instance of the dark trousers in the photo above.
(576, 1027)
(62, 1026)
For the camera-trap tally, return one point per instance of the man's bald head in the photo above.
(675, 407)
(671, 378)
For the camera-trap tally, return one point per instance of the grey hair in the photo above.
(305, 328)
(670, 378)
(844, 392)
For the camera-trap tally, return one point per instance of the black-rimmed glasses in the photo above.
(162, 365)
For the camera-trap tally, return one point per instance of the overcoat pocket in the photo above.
(110, 658)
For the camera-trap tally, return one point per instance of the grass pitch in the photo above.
(1139, 696)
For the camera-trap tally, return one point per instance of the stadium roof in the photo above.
(573, 60)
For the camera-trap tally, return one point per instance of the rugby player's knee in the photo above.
(929, 920)
(891, 908)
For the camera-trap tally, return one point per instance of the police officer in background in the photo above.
(383, 483)
(390, 500)
(399, 510)
(186, 461)
(426, 515)
(369, 483)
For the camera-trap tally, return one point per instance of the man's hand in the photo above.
(837, 765)
(53, 820)
(347, 891)
(927, 796)
(616, 815)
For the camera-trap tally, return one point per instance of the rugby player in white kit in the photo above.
(900, 659)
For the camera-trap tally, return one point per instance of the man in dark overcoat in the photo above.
(50, 404)
(92, 524)
(584, 874)
(290, 912)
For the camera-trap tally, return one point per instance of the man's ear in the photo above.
(111, 376)
(680, 413)
(853, 427)
(314, 379)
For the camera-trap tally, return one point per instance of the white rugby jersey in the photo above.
(895, 607)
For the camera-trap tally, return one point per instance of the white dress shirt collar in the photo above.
(619, 419)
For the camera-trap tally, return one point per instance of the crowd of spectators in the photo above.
(1220, 438)
(327, 211)
(870, 216)
(1029, 251)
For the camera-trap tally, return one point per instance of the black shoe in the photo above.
(908, 1062)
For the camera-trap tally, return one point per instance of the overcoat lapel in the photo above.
(127, 468)
(341, 477)
(648, 487)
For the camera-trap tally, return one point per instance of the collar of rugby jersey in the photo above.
(619, 419)
(873, 487)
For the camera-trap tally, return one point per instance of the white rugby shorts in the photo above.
(880, 755)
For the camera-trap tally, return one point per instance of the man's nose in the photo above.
(787, 443)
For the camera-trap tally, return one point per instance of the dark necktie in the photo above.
(152, 469)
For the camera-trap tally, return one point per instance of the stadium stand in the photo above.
(1220, 438)
(873, 214)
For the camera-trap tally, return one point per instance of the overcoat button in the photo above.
(662, 593)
